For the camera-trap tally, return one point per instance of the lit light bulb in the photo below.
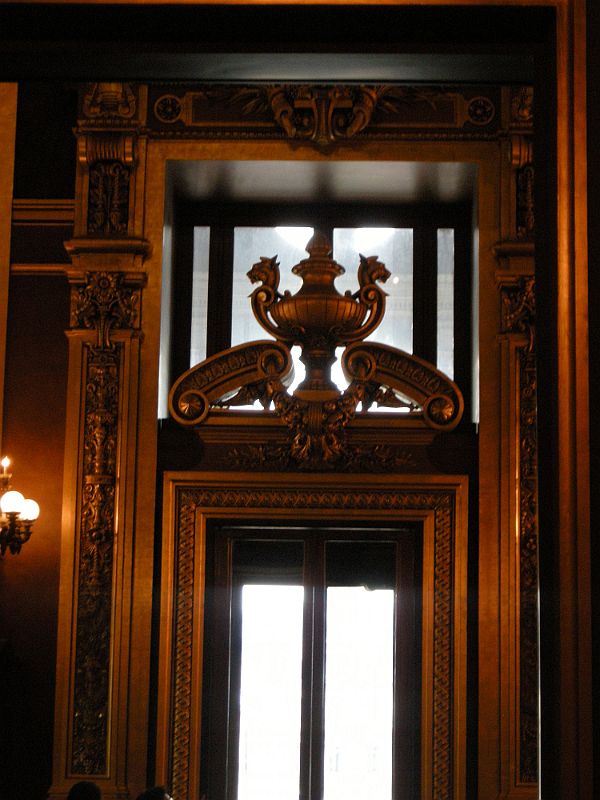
(12, 502)
(30, 510)
(5, 464)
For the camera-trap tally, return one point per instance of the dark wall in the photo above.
(34, 428)
(45, 149)
(593, 96)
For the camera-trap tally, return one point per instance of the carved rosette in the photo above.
(102, 302)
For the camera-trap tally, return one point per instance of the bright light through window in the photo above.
(359, 693)
(270, 693)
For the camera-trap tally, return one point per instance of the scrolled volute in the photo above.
(225, 374)
(379, 365)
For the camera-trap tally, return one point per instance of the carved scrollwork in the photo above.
(105, 303)
(220, 377)
(327, 114)
(406, 376)
(108, 204)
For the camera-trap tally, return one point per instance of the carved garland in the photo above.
(102, 304)
(189, 500)
(519, 318)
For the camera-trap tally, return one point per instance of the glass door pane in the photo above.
(270, 692)
(359, 670)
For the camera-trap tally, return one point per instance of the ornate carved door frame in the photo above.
(438, 502)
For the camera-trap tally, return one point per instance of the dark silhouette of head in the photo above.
(155, 793)
(84, 790)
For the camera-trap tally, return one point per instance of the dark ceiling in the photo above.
(266, 43)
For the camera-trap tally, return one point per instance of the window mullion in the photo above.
(220, 286)
(313, 673)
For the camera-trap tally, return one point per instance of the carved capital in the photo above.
(105, 301)
(518, 307)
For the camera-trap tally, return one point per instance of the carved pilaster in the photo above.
(519, 123)
(104, 338)
(519, 439)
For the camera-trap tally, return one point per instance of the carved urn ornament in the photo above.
(318, 319)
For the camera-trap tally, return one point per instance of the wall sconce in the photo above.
(18, 514)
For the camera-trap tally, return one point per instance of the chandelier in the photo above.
(18, 514)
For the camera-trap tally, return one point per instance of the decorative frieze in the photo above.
(322, 114)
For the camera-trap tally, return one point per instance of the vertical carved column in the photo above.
(106, 279)
(520, 530)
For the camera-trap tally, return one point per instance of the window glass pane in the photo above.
(249, 244)
(199, 295)
(393, 246)
(270, 693)
(359, 693)
(445, 300)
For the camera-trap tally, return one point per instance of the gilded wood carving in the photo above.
(518, 307)
(318, 319)
(104, 302)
